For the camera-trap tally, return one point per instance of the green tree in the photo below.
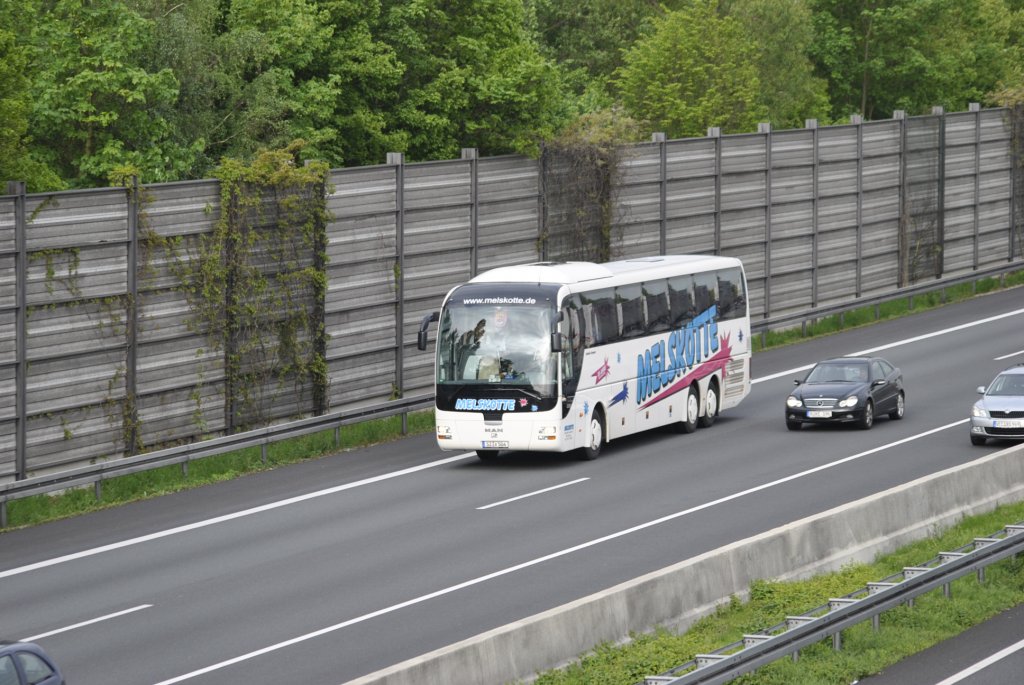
(93, 102)
(16, 160)
(789, 89)
(883, 55)
(587, 38)
(682, 82)
(473, 76)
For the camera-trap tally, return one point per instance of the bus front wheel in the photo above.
(596, 439)
(691, 410)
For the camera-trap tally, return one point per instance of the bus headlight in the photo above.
(444, 433)
(547, 433)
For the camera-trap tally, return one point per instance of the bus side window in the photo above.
(630, 304)
(603, 318)
(731, 301)
(656, 301)
(705, 290)
(680, 300)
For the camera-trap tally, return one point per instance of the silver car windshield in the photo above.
(1007, 384)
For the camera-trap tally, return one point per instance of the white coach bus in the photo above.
(561, 356)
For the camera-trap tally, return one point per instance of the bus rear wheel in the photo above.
(486, 455)
(710, 405)
(596, 439)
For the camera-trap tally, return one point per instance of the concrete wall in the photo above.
(678, 595)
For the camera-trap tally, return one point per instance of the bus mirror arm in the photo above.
(421, 337)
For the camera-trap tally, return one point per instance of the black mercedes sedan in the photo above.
(847, 390)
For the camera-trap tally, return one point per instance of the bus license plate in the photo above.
(1008, 424)
(819, 414)
(495, 444)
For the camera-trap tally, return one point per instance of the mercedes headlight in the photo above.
(848, 402)
(793, 402)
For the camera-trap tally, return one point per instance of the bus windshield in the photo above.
(497, 345)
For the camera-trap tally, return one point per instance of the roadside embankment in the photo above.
(676, 596)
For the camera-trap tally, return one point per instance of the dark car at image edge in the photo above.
(853, 390)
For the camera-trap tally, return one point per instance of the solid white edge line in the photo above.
(898, 343)
(86, 623)
(531, 494)
(984, 663)
(230, 517)
(1007, 356)
(547, 557)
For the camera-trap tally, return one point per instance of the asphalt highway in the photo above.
(324, 571)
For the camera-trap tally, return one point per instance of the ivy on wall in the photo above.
(580, 173)
(255, 286)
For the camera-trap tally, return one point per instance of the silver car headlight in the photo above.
(793, 402)
(978, 411)
(848, 402)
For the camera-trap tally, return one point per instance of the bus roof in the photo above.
(607, 274)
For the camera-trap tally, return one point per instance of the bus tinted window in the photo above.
(601, 316)
(732, 301)
(705, 290)
(629, 299)
(680, 298)
(657, 310)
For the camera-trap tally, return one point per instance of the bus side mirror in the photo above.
(556, 336)
(421, 337)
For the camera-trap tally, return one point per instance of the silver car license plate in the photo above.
(1008, 424)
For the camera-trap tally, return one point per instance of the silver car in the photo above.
(1000, 411)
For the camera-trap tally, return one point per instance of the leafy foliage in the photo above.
(912, 54)
(683, 83)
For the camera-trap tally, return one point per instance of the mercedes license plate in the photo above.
(819, 414)
(495, 444)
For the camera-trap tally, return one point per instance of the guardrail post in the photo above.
(766, 129)
(397, 159)
(976, 108)
(97, 489)
(472, 155)
(812, 126)
(131, 412)
(20, 335)
(715, 133)
(3, 514)
(661, 139)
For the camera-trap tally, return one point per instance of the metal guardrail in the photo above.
(95, 474)
(829, 620)
(802, 317)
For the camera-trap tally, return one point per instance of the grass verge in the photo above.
(167, 479)
(903, 631)
(887, 310)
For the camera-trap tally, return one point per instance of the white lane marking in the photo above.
(898, 343)
(230, 517)
(531, 494)
(547, 557)
(1007, 356)
(86, 623)
(984, 663)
